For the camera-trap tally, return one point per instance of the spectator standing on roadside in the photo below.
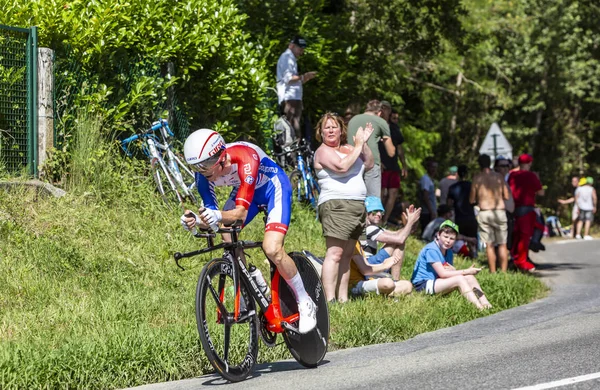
(489, 191)
(502, 165)
(525, 185)
(381, 133)
(446, 182)
(458, 198)
(575, 211)
(290, 82)
(391, 171)
(427, 193)
(341, 206)
(587, 201)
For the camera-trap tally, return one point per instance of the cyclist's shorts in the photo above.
(276, 197)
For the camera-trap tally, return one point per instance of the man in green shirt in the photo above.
(381, 133)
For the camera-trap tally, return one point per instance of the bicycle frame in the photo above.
(307, 179)
(276, 323)
(157, 151)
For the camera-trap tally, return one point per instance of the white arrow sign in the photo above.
(495, 143)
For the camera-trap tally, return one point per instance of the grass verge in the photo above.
(90, 296)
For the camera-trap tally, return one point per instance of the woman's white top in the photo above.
(349, 185)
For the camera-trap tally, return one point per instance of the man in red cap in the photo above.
(525, 185)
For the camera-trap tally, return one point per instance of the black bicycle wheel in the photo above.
(169, 196)
(230, 345)
(308, 349)
(297, 186)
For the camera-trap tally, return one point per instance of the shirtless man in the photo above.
(489, 191)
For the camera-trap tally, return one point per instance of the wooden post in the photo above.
(45, 105)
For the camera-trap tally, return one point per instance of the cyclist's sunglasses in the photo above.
(207, 165)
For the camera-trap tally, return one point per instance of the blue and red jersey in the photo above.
(257, 181)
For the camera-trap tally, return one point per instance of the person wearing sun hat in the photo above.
(525, 185)
(434, 271)
(587, 201)
(393, 241)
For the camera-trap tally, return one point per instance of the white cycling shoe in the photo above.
(308, 316)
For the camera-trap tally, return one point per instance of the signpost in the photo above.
(496, 144)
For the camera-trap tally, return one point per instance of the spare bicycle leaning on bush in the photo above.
(226, 300)
(176, 174)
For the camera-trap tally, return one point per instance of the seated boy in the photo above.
(366, 278)
(393, 241)
(434, 272)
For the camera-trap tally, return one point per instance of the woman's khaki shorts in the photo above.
(493, 226)
(342, 218)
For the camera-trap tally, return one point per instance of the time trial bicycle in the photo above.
(175, 182)
(232, 312)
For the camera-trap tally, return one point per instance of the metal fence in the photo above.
(18, 96)
(72, 83)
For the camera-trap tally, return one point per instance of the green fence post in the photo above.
(33, 71)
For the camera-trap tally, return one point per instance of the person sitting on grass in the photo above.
(368, 278)
(434, 272)
(393, 241)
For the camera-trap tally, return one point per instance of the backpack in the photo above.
(283, 132)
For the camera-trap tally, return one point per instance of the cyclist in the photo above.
(257, 181)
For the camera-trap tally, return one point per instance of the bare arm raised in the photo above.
(326, 157)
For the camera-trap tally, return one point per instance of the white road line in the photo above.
(562, 382)
(570, 241)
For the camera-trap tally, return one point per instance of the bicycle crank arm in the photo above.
(289, 327)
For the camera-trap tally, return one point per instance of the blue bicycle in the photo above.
(303, 177)
(175, 182)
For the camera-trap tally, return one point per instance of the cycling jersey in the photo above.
(257, 182)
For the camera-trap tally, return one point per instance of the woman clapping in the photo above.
(340, 169)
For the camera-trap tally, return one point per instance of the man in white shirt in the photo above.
(289, 82)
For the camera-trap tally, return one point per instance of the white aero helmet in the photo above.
(203, 149)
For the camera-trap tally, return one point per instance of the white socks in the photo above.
(297, 287)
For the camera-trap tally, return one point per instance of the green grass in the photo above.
(91, 298)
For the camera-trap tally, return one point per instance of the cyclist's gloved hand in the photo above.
(189, 214)
(212, 218)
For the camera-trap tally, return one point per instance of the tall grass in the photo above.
(91, 298)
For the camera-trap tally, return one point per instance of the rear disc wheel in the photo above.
(308, 349)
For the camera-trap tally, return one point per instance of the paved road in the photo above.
(546, 341)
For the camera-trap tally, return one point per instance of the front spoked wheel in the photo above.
(308, 349)
(230, 344)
